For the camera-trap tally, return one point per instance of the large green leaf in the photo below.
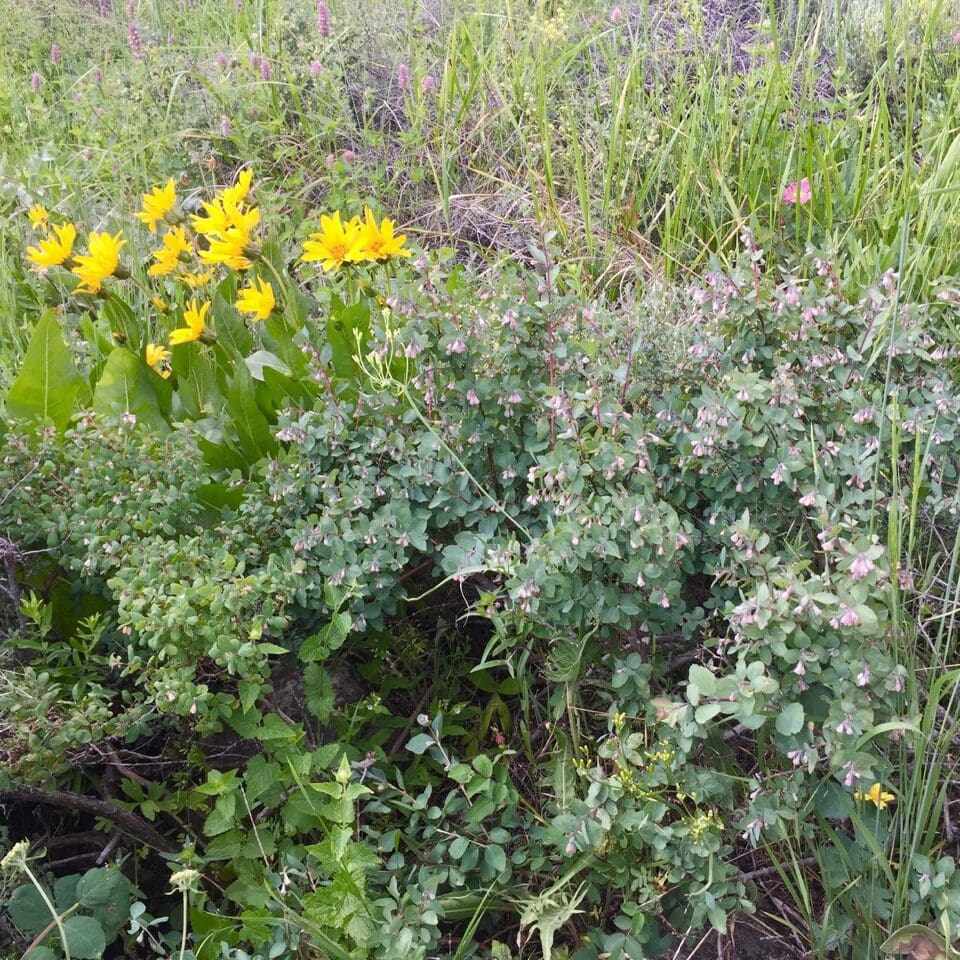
(126, 386)
(27, 909)
(48, 384)
(101, 885)
(254, 434)
(85, 938)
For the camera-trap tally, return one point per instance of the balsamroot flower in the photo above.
(159, 204)
(378, 242)
(39, 218)
(101, 262)
(194, 280)
(876, 796)
(53, 251)
(157, 357)
(176, 249)
(228, 227)
(336, 244)
(257, 300)
(196, 325)
(797, 192)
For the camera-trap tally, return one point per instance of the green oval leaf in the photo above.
(790, 719)
(85, 938)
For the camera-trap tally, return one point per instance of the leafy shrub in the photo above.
(682, 557)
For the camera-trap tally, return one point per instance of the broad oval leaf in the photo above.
(125, 387)
(85, 938)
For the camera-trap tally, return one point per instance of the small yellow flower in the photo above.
(52, 252)
(196, 327)
(336, 244)
(257, 300)
(159, 204)
(157, 357)
(176, 249)
(39, 218)
(378, 242)
(876, 796)
(103, 261)
(160, 304)
(194, 280)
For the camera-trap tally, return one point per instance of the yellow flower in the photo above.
(196, 327)
(258, 302)
(194, 280)
(53, 252)
(229, 242)
(876, 796)
(379, 243)
(159, 204)
(176, 248)
(222, 215)
(103, 261)
(228, 226)
(336, 244)
(160, 304)
(39, 218)
(157, 357)
(237, 194)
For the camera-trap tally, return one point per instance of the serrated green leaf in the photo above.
(318, 691)
(221, 817)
